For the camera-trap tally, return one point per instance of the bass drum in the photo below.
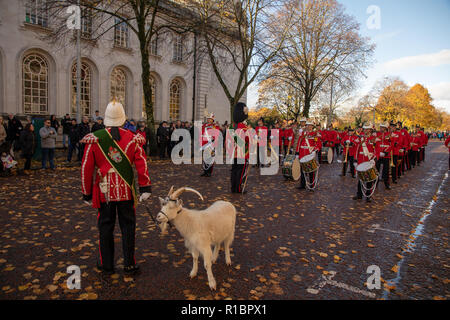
(291, 168)
(326, 155)
(309, 163)
(367, 172)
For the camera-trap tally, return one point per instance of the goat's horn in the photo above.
(177, 193)
(170, 191)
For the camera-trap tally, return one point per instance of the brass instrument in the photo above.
(392, 159)
(346, 152)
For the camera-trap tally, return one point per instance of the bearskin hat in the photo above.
(240, 112)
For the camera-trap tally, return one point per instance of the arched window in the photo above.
(86, 89)
(175, 100)
(119, 86)
(153, 85)
(35, 84)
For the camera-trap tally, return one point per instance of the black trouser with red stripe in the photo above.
(350, 159)
(385, 173)
(238, 175)
(106, 222)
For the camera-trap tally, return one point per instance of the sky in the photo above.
(412, 43)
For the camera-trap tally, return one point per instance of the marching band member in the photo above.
(113, 151)
(420, 135)
(395, 147)
(365, 151)
(280, 139)
(309, 143)
(407, 147)
(447, 144)
(261, 132)
(210, 131)
(424, 143)
(239, 171)
(349, 143)
(288, 139)
(382, 151)
(416, 143)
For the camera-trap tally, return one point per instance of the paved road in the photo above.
(289, 244)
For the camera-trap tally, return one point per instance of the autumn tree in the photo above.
(323, 42)
(280, 95)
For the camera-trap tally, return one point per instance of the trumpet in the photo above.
(392, 159)
(346, 152)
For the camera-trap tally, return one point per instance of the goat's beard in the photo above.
(163, 227)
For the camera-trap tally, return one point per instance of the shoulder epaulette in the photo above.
(138, 138)
(90, 138)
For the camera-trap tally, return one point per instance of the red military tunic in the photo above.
(396, 142)
(416, 142)
(308, 143)
(288, 133)
(354, 140)
(117, 188)
(447, 143)
(209, 134)
(365, 150)
(383, 144)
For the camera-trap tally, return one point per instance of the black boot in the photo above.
(105, 271)
(130, 270)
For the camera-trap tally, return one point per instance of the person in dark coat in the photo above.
(13, 131)
(54, 122)
(163, 136)
(98, 124)
(83, 129)
(28, 145)
(66, 123)
(74, 139)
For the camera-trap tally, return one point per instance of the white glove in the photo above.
(144, 196)
(355, 164)
(89, 203)
(382, 154)
(256, 137)
(290, 138)
(401, 150)
(271, 137)
(347, 142)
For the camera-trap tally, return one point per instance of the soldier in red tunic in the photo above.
(396, 145)
(209, 142)
(365, 152)
(447, 144)
(109, 156)
(349, 143)
(261, 132)
(416, 144)
(382, 150)
(240, 166)
(307, 144)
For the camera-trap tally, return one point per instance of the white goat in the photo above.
(200, 228)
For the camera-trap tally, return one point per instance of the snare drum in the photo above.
(309, 163)
(291, 168)
(326, 155)
(367, 172)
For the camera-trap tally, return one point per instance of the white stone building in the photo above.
(37, 78)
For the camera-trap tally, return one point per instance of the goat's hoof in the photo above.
(228, 262)
(193, 274)
(212, 285)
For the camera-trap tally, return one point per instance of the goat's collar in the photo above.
(168, 220)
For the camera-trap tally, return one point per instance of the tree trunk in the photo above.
(147, 88)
